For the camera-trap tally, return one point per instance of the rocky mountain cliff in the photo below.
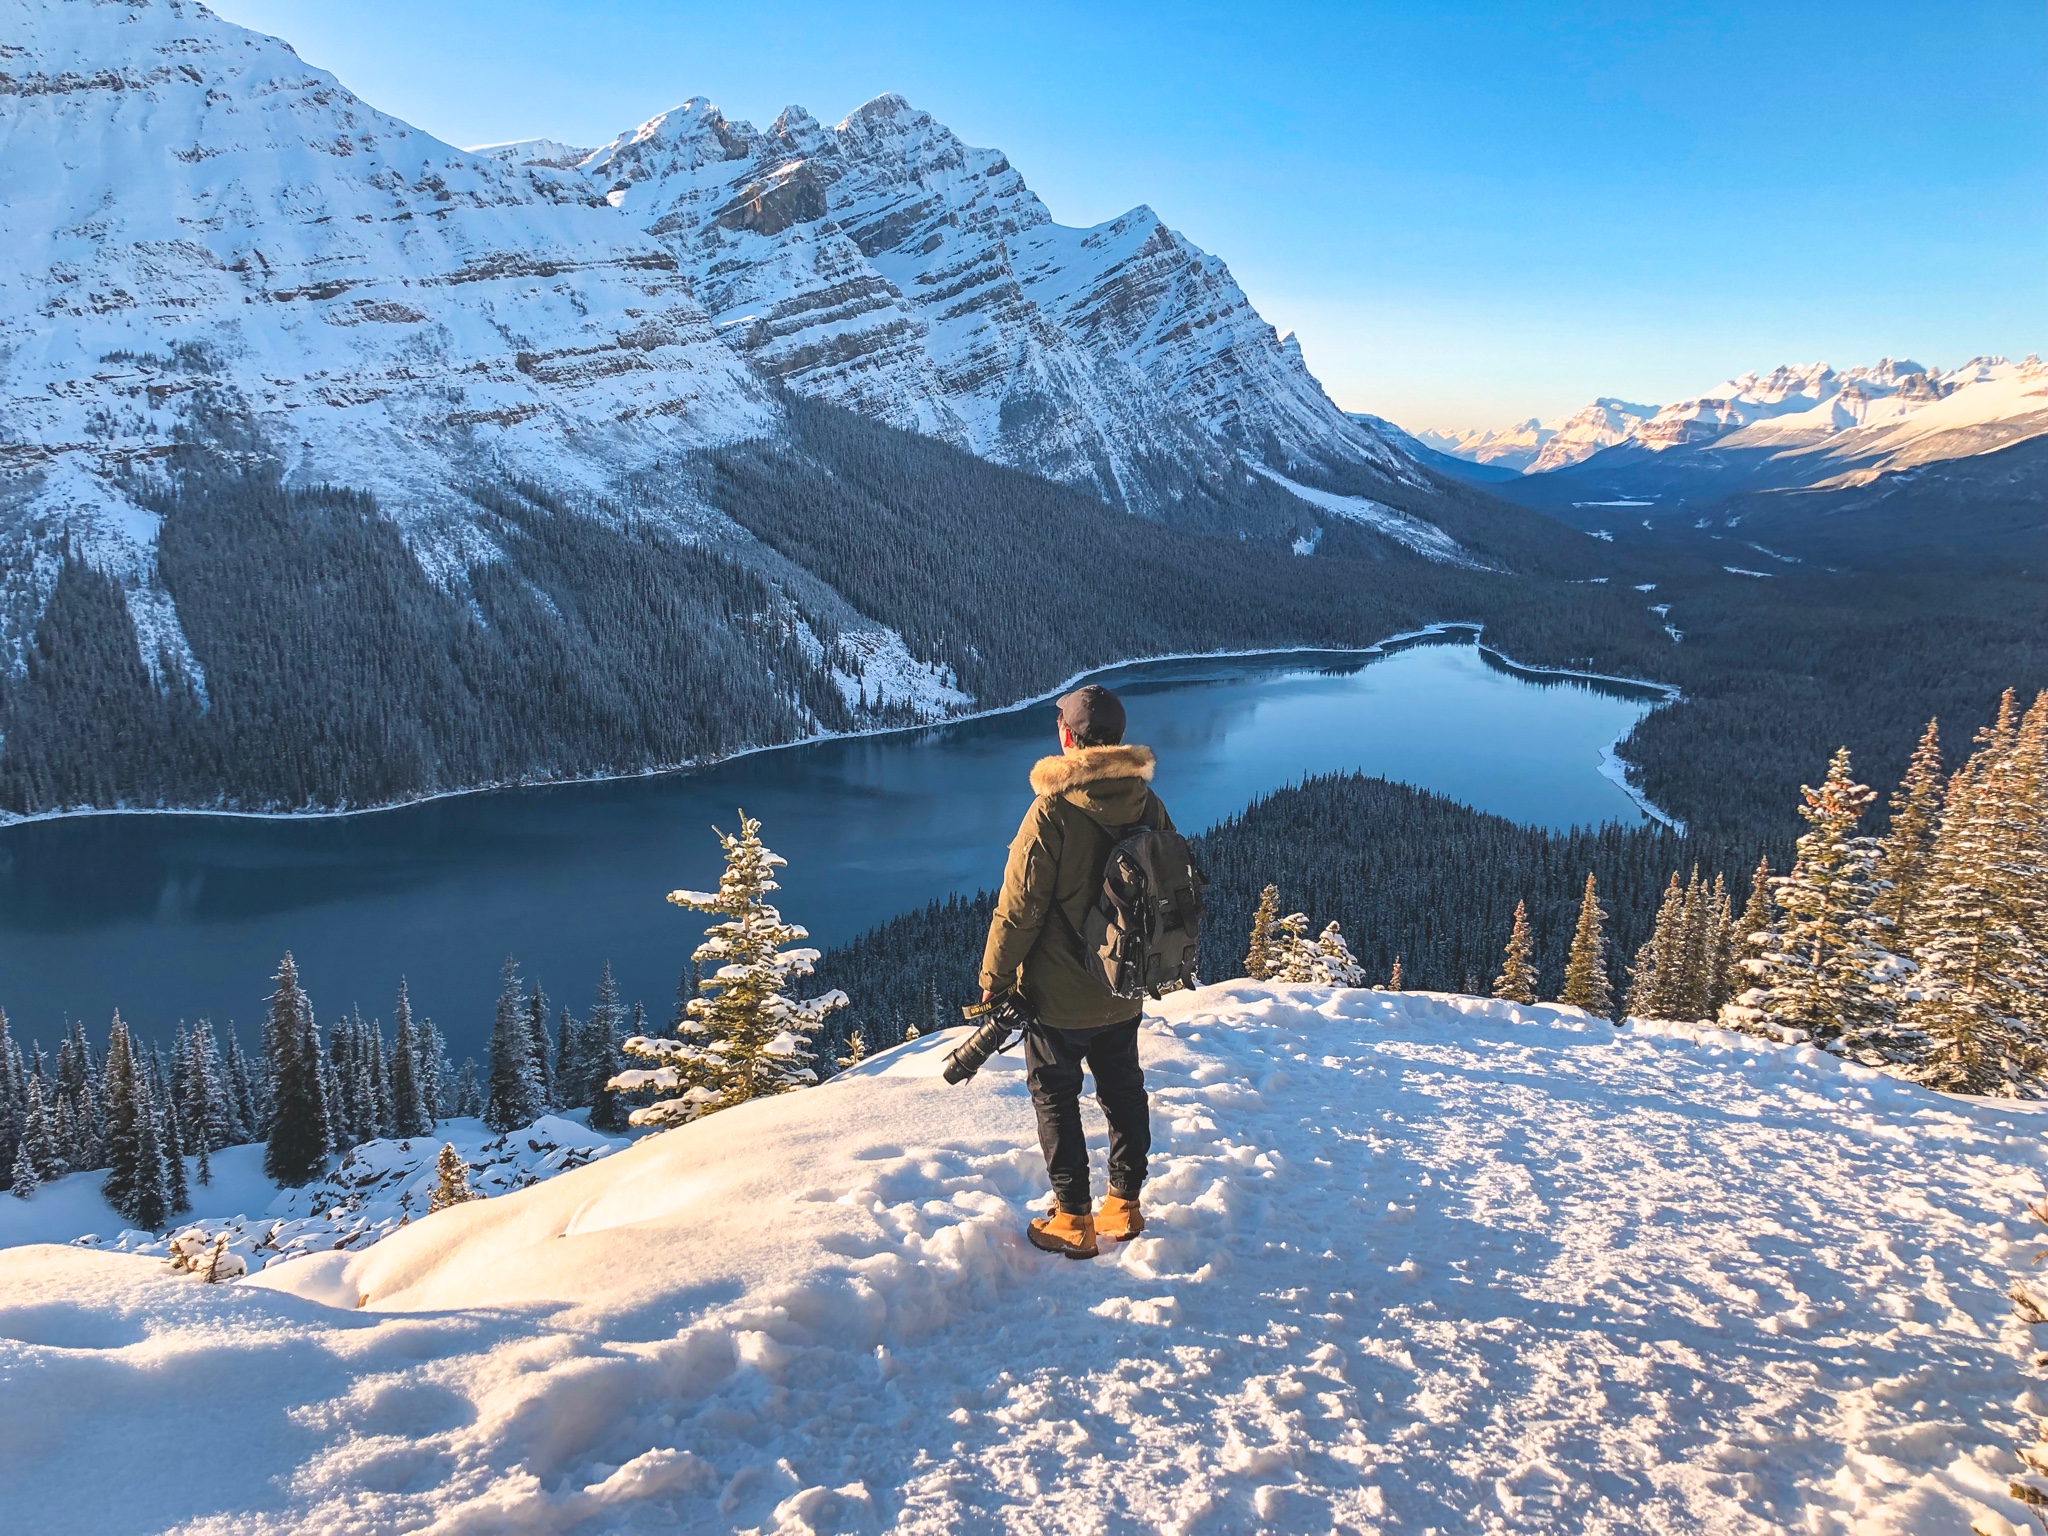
(885, 266)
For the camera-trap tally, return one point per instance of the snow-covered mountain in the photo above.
(214, 257)
(1857, 416)
(886, 266)
(1375, 1220)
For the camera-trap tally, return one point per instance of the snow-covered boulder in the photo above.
(1413, 1261)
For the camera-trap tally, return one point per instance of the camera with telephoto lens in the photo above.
(1000, 1018)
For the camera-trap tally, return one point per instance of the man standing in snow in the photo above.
(1094, 793)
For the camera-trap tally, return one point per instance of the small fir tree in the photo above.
(453, 1187)
(745, 1037)
(1585, 968)
(23, 1185)
(1754, 931)
(1394, 980)
(1907, 850)
(856, 1049)
(1293, 953)
(1516, 982)
(1335, 965)
(1258, 957)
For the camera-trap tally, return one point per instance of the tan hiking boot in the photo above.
(1119, 1220)
(1058, 1232)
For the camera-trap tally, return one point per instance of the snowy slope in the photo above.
(193, 220)
(378, 1187)
(1416, 1262)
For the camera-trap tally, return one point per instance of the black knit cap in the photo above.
(1094, 715)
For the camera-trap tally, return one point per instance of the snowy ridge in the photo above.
(1889, 415)
(888, 267)
(1377, 1220)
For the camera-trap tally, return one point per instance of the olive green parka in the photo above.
(1087, 798)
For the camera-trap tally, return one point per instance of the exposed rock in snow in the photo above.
(1412, 1261)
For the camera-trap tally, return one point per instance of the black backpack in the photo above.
(1141, 934)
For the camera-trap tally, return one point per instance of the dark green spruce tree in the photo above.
(296, 1152)
(409, 1115)
(511, 1092)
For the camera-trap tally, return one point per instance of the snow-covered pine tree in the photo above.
(1981, 925)
(1828, 971)
(512, 1092)
(124, 1113)
(248, 1121)
(1720, 947)
(745, 1037)
(1907, 848)
(542, 1072)
(1754, 932)
(409, 1115)
(296, 1146)
(177, 1191)
(134, 1185)
(380, 1080)
(454, 1187)
(205, 1112)
(1693, 985)
(1335, 965)
(1585, 967)
(41, 1146)
(1516, 982)
(79, 1094)
(603, 1059)
(1394, 976)
(1292, 956)
(1258, 955)
(437, 1074)
(856, 1050)
(571, 1089)
(469, 1091)
(22, 1185)
(1653, 979)
(13, 1099)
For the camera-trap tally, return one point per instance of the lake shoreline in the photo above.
(1612, 766)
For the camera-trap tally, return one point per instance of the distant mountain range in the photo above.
(1868, 467)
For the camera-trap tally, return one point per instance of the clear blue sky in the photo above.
(1470, 213)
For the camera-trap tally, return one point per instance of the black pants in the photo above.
(1052, 1064)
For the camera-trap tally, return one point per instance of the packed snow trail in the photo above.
(1415, 1262)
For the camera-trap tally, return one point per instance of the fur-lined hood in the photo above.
(1090, 765)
